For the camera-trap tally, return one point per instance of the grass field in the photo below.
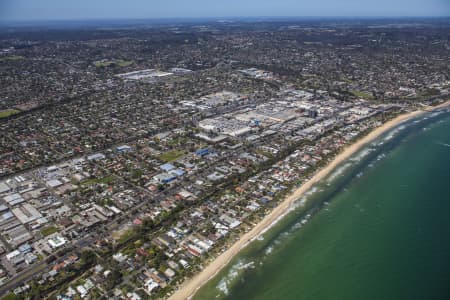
(124, 63)
(123, 236)
(104, 180)
(171, 155)
(8, 112)
(11, 296)
(120, 63)
(11, 58)
(362, 95)
(49, 230)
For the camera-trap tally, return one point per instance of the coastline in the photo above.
(191, 286)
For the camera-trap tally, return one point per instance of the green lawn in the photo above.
(11, 296)
(8, 112)
(120, 63)
(100, 64)
(11, 58)
(124, 63)
(265, 153)
(49, 230)
(104, 180)
(171, 155)
(362, 95)
(126, 236)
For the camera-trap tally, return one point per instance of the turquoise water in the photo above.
(379, 229)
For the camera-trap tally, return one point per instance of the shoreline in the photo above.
(192, 285)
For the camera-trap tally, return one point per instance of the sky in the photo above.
(28, 10)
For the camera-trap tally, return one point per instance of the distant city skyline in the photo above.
(28, 10)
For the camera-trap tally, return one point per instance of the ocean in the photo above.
(377, 228)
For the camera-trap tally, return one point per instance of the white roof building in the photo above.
(54, 183)
(150, 285)
(57, 241)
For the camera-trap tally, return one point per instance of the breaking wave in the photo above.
(235, 271)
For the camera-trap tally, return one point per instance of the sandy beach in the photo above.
(189, 288)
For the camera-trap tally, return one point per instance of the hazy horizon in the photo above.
(54, 10)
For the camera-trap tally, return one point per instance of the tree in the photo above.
(113, 279)
(88, 257)
(11, 296)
